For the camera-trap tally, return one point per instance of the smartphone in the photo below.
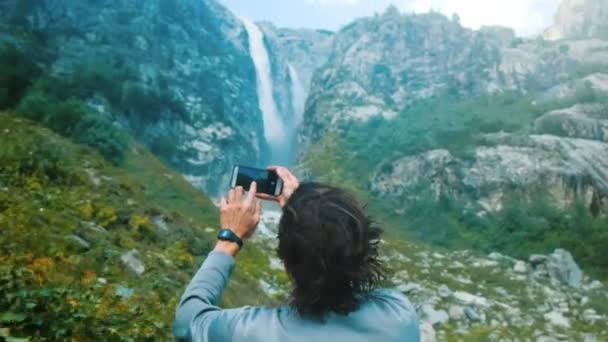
(268, 181)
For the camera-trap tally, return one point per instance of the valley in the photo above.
(483, 155)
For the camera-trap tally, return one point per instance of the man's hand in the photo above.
(290, 185)
(240, 215)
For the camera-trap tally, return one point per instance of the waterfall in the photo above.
(298, 94)
(275, 131)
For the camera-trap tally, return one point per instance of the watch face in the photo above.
(225, 234)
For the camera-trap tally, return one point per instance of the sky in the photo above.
(527, 17)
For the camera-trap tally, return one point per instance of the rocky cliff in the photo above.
(579, 19)
(189, 83)
(401, 71)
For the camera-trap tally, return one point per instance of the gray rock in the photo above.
(578, 19)
(434, 316)
(520, 267)
(579, 121)
(496, 256)
(557, 319)
(132, 263)
(160, 224)
(93, 227)
(472, 314)
(124, 292)
(444, 291)
(536, 259)
(80, 241)
(563, 267)
(456, 312)
(590, 316)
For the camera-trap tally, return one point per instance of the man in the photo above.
(330, 251)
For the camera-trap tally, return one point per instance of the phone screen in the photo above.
(266, 180)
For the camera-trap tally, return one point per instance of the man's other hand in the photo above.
(290, 185)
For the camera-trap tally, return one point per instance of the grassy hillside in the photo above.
(66, 217)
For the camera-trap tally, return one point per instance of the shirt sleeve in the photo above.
(198, 310)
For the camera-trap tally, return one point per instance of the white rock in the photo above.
(160, 224)
(427, 332)
(495, 256)
(434, 316)
(557, 319)
(471, 299)
(589, 315)
(132, 263)
(596, 284)
(456, 312)
(444, 291)
(520, 267)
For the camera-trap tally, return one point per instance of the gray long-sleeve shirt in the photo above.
(386, 316)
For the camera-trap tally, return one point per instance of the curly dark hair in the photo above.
(330, 250)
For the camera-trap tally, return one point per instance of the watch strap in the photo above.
(226, 234)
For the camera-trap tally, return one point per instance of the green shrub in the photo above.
(73, 119)
(18, 72)
(99, 133)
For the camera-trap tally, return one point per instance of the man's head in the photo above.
(330, 250)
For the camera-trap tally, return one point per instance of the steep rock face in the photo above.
(568, 169)
(578, 19)
(379, 66)
(195, 53)
(578, 121)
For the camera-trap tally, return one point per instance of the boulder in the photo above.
(563, 268)
(559, 267)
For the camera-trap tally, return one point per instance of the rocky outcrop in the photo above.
(579, 19)
(463, 296)
(579, 121)
(380, 66)
(568, 169)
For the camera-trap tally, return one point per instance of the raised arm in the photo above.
(198, 310)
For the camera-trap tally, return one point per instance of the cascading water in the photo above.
(298, 94)
(275, 130)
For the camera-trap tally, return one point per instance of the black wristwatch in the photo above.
(227, 234)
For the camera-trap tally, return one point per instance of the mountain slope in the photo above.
(93, 251)
(176, 74)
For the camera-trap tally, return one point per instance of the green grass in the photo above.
(51, 188)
